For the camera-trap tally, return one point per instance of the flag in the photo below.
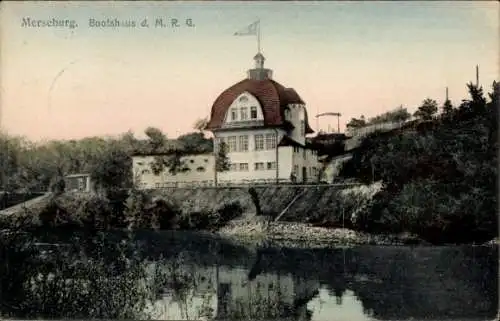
(249, 30)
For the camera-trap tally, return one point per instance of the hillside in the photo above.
(439, 173)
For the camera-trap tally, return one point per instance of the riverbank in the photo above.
(230, 219)
(288, 234)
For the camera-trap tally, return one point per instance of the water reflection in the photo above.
(186, 276)
(363, 283)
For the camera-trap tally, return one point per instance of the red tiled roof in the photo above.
(272, 96)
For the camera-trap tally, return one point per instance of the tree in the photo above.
(112, 170)
(201, 124)
(222, 162)
(156, 138)
(195, 143)
(447, 108)
(427, 110)
(474, 106)
(355, 123)
(400, 115)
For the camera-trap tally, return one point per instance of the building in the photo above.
(197, 170)
(263, 125)
(78, 183)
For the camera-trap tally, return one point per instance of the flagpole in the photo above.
(258, 36)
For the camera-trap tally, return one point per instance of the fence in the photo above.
(357, 134)
(244, 183)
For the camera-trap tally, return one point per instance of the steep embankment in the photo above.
(286, 203)
(287, 213)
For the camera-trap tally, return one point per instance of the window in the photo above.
(231, 144)
(270, 141)
(244, 113)
(296, 169)
(259, 166)
(302, 127)
(234, 114)
(200, 169)
(253, 112)
(206, 160)
(191, 161)
(304, 152)
(259, 142)
(243, 146)
(140, 163)
(232, 167)
(157, 185)
(271, 165)
(243, 99)
(244, 167)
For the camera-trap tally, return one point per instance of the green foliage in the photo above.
(447, 108)
(157, 139)
(356, 123)
(72, 282)
(440, 178)
(398, 115)
(41, 166)
(222, 162)
(80, 211)
(170, 153)
(427, 110)
(210, 220)
(201, 124)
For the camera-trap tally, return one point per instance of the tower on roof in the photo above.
(259, 72)
(259, 61)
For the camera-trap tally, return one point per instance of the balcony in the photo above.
(243, 124)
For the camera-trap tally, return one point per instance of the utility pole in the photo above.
(446, 94)
(477, 75)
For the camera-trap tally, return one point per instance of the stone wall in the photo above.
(272, 199)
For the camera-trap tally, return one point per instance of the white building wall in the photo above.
(296, 115)
(201, 171)
(303, 157)
(267, 168)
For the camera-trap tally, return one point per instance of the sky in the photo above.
(355, 58)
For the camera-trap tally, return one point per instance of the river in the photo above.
(198, 276)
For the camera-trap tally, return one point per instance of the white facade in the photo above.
(254, 153)
(296, 114)
(200, 172)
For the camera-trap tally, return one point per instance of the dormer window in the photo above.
(234, 114)
(244, 113)
(253, 112)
